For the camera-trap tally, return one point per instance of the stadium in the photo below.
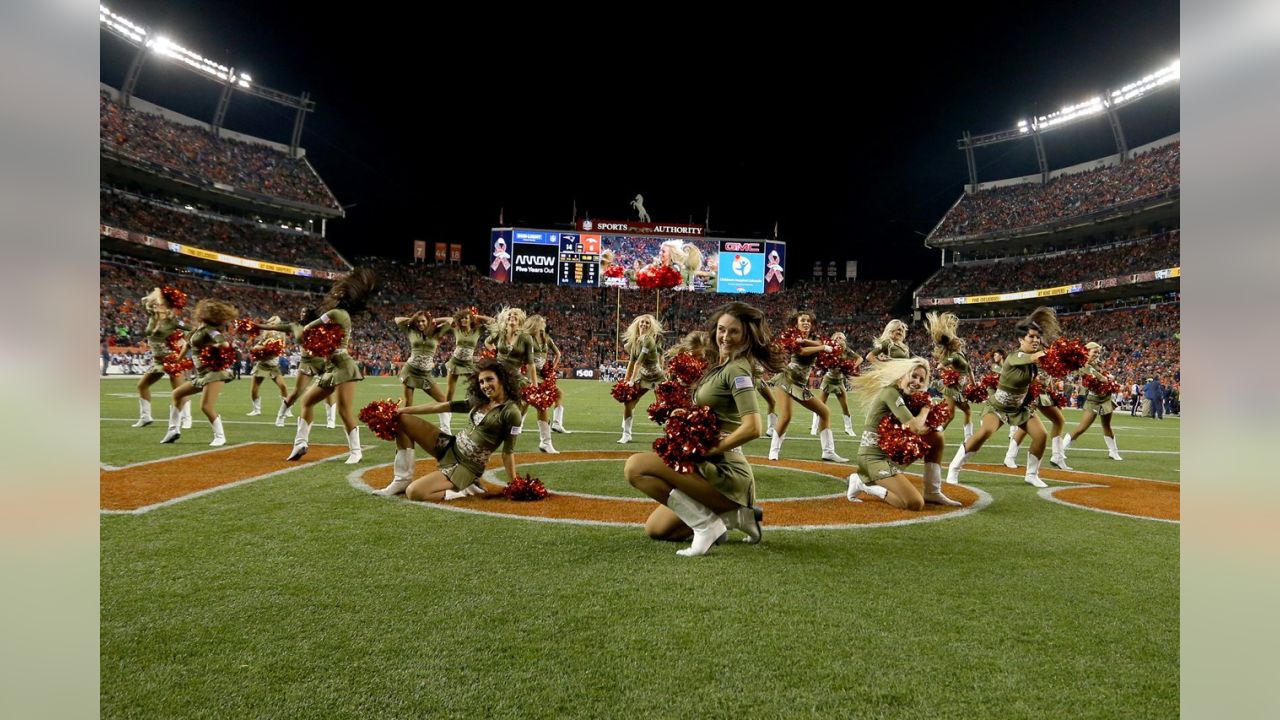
(254, 562)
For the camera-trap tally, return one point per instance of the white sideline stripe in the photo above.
(219, 488)
(290, 424)
(1048, 494)
(105, 466)
(354, 479)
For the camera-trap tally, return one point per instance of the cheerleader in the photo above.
(684, 257)
(719, 494)
(514, 349)
(891, 344)
(267, 367)
(834, 381)
(792, 383)
(212, 318)
(493, 420)
(424, 337)
(1005, 403)
(643, 343)
(1099, 405)
(949, 353)
(309, 367)
(883, 390)
(1045, 405)
(162, 307)
(536, 327)
(464, 326)
(341, 371)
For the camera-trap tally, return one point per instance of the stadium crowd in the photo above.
(1060, 268)
(235, 236)
(193, 150)
(1026, 205)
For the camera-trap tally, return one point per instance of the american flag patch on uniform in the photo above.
(742, 382)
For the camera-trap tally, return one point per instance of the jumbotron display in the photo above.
(625, 255)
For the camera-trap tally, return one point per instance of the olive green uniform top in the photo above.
(515, 355)
(268, 367)
(958, 362)
(543, 351)
(1095, 403)
(894, 350)
(646, 353)
(835, 382)
(416, 371)
(1005, 402)
(463, 359)
(203, 337)
(463, 457)
(873, 464)
(158, 332)
(339, 367)
(794, 378)
(730, 392)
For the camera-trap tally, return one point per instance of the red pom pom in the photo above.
(217, 357)
(614, 271)
(849, 367)
(991, 381)
(625, 392)
(688, 437)
(685, 368)
(832, 360)
(323, 339)
(175, 297)
(267, 351)
(380, 416)
(1063, 356)
(670, 396)
(175, 364)
(902, 446)
(1100, 386)
(976, 393)
(543, 395)
(789, 340)
(1059, 399)
(939, 415)
(658, 277)
(525, 488)
(916, 401)
(247, 327)
(1033, 392)
(488, 353)
(950, 377)
(177, 341)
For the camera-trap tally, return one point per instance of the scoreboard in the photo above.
(579, 263)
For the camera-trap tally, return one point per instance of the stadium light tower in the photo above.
(148, 44)
(1105, 103)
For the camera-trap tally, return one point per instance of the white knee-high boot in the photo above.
(957, 462)
(813, 426)
(775, 445)
(544, 438)
(300, 439)
(828, 441)
(356, 453)
(144, 413)
(1113, 451)
(219, 437)
(175, 423)
(401, 473)
(933, 486)
(626, 429)
(1033, 472)
(707, 526)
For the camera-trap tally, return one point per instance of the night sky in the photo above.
(844, 134)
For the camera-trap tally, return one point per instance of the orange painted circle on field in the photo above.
(828, 512)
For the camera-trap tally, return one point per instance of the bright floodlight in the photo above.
(121, 24)
(1097, 105)
(161, 45)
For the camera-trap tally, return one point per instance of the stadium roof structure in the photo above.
(150, 44)
(1105, 104)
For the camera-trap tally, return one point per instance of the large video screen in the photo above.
(583, 259)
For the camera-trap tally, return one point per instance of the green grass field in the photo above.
(296, 596)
